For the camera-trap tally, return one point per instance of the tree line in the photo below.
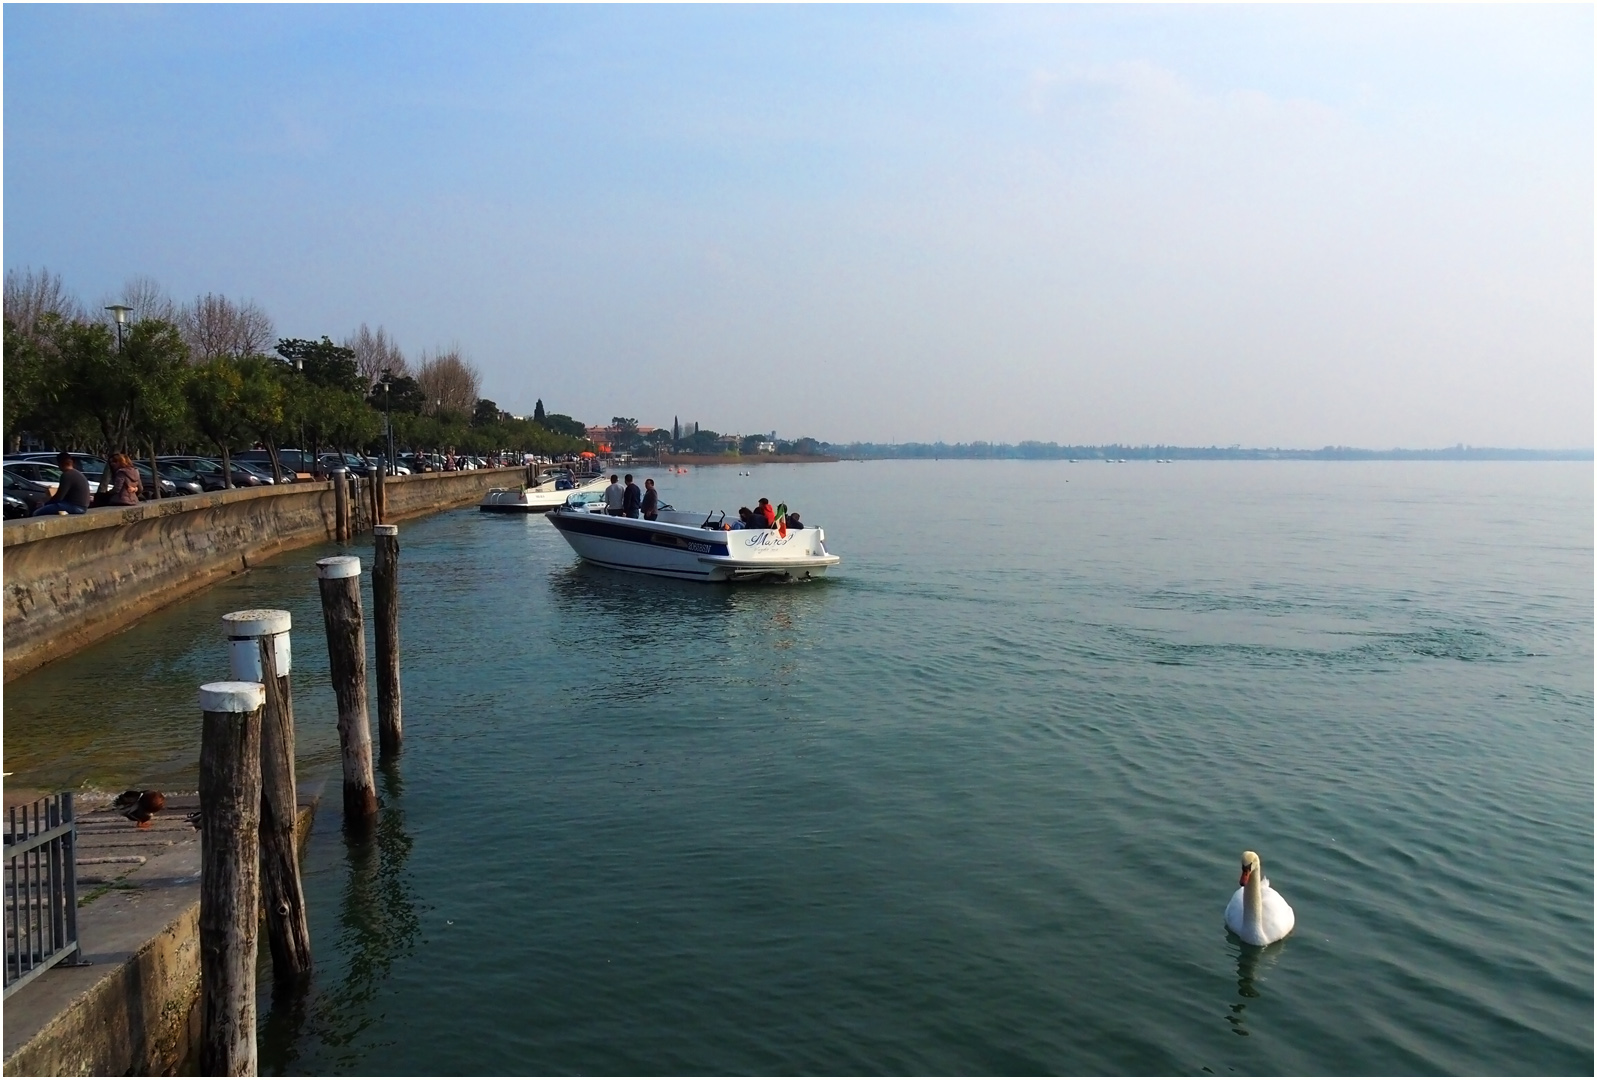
(207, 376)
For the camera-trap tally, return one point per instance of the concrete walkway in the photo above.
(133, 1009)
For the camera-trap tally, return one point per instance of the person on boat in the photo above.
(615, 496)
(793, 521)
(765, 515)
(632, 498)
(651, 501)
(745, 518)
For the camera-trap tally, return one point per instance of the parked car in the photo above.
(29, 484)
(208, 471)
(357, 465)
(185, 480)
(16, 507)
(295, 463)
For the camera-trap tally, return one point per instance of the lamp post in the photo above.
(388, 417)
(119, 312)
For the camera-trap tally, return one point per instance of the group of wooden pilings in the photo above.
(248, 802)
(352, 508)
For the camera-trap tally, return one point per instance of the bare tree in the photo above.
(148, 300)
(376, 353)
(29, 296)
(215, 326)
(447, 382)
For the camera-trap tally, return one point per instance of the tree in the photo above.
(263, 400)
(750, 444)
(149, 301)
(376, 353)
(449, 383)
(703, 441)
(659, 438)
(561, 424)
(157, 362)
(626, 431)
(215, 392)
(30, 296)
(486, 413)
(538, 414)
(676, 431)
(402, 396)
(323, 363)
(215, 326)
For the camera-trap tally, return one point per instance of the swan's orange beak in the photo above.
(1244, 880)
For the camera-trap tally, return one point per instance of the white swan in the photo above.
(1257, 914)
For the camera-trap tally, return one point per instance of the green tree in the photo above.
(561, 424)
(215, 393)
(157, 362)
(323, 364)
(537, 413)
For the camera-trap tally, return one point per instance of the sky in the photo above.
(1288, 226)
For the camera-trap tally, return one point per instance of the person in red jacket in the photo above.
(767, 513)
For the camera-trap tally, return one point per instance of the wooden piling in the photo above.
(339, 579)
(380, 494)
(341, 531)
(259, 650)
(230, 807)
(385, 605)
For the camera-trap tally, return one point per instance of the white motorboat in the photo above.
(550, 492)
(690, 546)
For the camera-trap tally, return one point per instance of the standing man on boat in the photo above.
(614, 496)
(632, 498)
(651, 501)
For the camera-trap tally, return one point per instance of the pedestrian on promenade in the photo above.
(124, 482)
(651, 501)
(614, 496)
(632, 498)
(71, 494)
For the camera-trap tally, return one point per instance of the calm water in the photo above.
(973, 805)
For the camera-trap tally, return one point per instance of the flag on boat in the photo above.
(781, 520)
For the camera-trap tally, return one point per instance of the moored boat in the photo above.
(550, 492)
(691, 546)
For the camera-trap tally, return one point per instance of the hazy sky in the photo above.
(1263, 225)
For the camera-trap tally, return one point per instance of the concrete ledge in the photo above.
(135, 1009)
(72, 580)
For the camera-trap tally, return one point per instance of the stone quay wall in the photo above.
(70, 581)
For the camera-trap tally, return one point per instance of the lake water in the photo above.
(973, 805)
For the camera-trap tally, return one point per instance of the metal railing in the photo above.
(41, 889)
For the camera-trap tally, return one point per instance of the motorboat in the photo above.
(551, 491)
(691, 546)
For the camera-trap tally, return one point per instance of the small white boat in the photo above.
(690, 546)
(550, 492)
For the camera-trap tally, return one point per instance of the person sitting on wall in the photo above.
(71, 494)
(124, 482)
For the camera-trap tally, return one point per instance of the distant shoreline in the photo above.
(1052, 452)
(752, 459)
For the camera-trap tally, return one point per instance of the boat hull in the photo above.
(539, 500)
(688, 552)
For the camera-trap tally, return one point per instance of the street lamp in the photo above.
(119, 312)
(388, 417)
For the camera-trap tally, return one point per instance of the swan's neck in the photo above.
(1253, 899)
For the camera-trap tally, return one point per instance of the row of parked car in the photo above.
(31, 478)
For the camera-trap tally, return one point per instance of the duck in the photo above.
(1257, 913)
(140, 806)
